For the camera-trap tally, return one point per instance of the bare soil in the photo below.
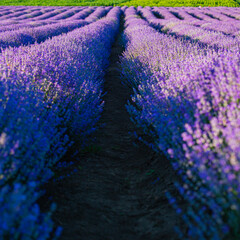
(119, 191)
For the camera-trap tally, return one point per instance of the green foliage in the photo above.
(165, 3)
(182, 3)
(62, 2)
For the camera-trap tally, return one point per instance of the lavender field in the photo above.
(139, 99)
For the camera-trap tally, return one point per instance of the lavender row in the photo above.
(187, 99)
(16, 25)
(25, 36)
(206, 14)
(38, 34)
(229, 28)
(50, 14)
(48, 97)
(98, 13)
(232, 13)
(64, 15)
(77, 14)
(7, 25)
(209, 14)
(27, 15)
(82, 14)
(184, 29)
(42, 13)
(53, 13)
(219, 14)
(22, 12)
(213, 19)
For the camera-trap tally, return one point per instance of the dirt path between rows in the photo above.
(112, 196)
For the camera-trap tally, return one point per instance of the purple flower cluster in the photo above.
(211, 147)
(50, 96)
(186, 98)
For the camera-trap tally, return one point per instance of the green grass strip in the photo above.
(151, 3)
(61, 2)
(183, 3)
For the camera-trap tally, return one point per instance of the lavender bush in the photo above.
(187, 99)
(48, 97)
